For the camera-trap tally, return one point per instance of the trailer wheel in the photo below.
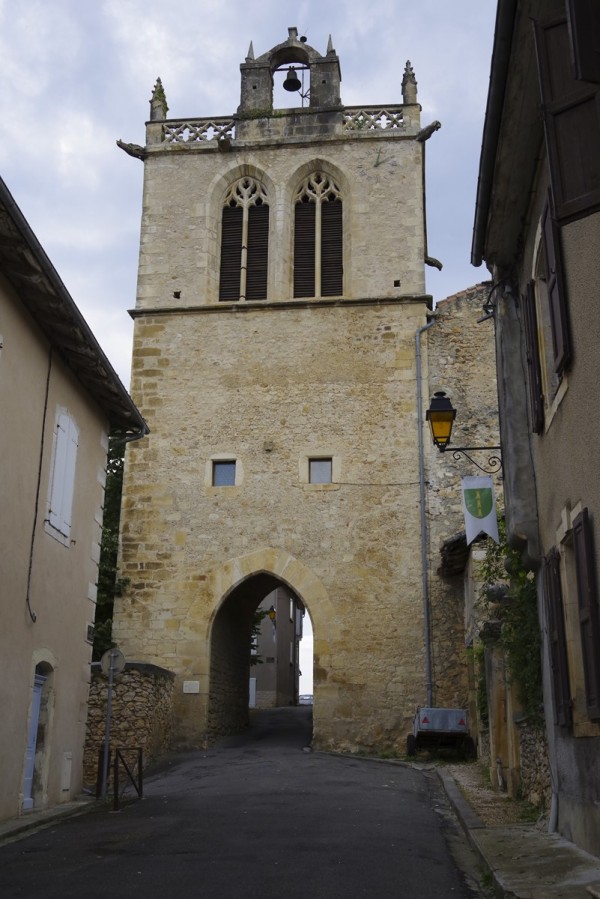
(411, 745)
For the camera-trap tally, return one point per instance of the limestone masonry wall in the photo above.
(381, 189)
(270, 388)
(269, 385)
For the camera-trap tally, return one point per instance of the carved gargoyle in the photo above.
(132, 149)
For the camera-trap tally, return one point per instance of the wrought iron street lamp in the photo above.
(441, 415)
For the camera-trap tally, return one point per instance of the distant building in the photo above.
(60, 399)
(274, 680)
(537, 227)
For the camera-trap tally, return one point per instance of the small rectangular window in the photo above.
(223, 474)
(319, 471)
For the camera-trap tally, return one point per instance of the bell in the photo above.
(292, 82)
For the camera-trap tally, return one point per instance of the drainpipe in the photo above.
(424, 572)
(36, 506)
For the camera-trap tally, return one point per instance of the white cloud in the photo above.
(75, 76)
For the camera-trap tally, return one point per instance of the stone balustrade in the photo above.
(354, 118)
(373, 118)
(197, 130)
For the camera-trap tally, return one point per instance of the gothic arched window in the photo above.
(244, 242)
(318, 238)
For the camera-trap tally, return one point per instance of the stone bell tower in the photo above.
(281, 283)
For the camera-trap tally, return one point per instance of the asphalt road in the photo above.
(260, 818)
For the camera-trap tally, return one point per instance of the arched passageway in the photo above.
(230, 651)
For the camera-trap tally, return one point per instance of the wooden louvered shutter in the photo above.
(533, 360)
(258, 252)
(587, 597)
(63, 475)
(561, 341)
(304, 249)
(584, 29)
(571, 111)
(332, 270)
(231, 253)
(556, 635)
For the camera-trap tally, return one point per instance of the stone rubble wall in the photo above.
(461, 362)
(536, 785)
(142, 713)
(228, 711)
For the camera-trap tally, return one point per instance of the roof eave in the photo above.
(63, 324)
(503, 36)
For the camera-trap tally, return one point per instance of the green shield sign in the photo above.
(479, 502)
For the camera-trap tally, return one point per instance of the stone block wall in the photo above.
(380, 184)
(272, 387)
(142, 713)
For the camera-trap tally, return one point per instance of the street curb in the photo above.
(470, 821)
(16, 828)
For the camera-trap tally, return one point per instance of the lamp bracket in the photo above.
(494, 462)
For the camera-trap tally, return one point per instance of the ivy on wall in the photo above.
(110, 584)
(476, 657)
(516, 610)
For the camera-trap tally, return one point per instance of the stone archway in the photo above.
(230, 654)
(236, 588)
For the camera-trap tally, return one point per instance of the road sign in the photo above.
(112, 658)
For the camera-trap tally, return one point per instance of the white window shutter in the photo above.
(63, 474)
(58, 473)
(69, 484)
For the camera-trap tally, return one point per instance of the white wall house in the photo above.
(59, 401)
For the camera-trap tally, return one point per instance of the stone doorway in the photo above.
(38, 742)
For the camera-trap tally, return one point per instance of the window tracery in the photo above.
(244, 242)
(318, 238)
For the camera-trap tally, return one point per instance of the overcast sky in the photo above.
(76, 75)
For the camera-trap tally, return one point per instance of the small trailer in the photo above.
(433, 728)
